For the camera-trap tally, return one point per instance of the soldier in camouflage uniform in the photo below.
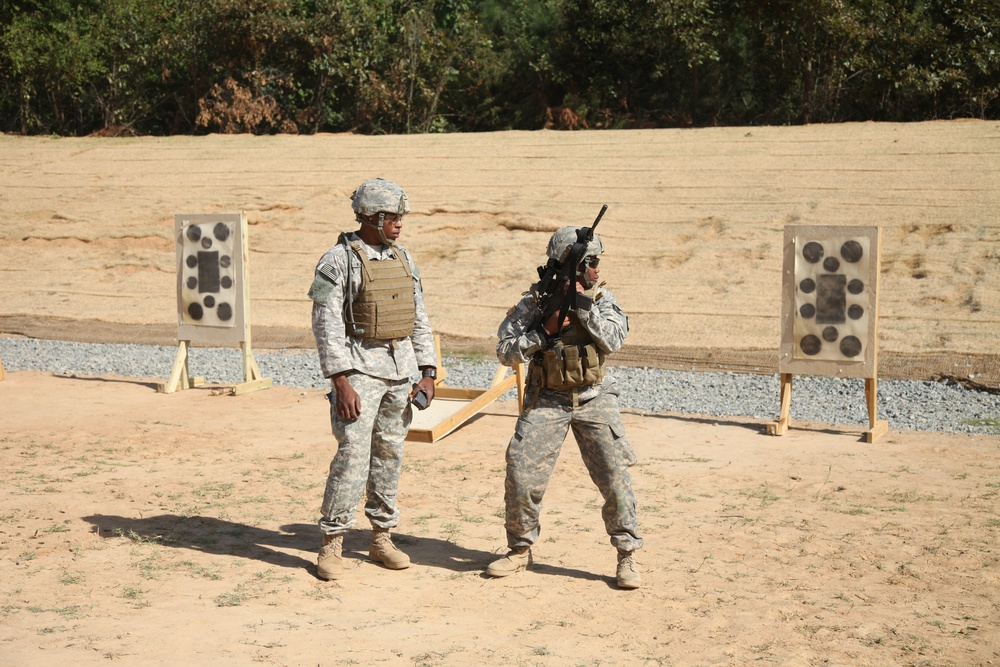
(373, 338)
(567, 388)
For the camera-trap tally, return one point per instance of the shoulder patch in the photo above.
(322, 286)
(327, 271)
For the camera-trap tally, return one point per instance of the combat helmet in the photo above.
(562, 242)
(380, 196)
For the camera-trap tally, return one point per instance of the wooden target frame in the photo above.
(453, 406)
(213, 294)
(829, 311)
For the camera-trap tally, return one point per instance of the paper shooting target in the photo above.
(831, 303)
(208, 294)
(829, 311)
(210, 280)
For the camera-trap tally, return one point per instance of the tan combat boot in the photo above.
(628, 572)
(517, 559)
(385, 552)
(330, 564)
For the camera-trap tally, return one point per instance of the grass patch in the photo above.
(991, 423)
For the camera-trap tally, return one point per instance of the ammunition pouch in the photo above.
(567, 366)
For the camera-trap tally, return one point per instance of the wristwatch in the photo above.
(429, 373)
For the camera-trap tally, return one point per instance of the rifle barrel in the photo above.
(599, 216)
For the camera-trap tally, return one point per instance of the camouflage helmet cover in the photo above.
(563, 239)
(378, 195)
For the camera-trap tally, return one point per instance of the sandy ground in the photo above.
(142, 528)
(154, 529)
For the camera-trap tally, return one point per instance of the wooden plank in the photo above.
(253, 385)
(442, 372)
(178, 374)
(457, 392)
(520, 375)
(458, 405)
(781, 426)
(877, 431)
(876, 428)
(474, 406)
(1, 370)
(422, 428)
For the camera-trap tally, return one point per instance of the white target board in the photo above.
(830, 301)
(211, 296)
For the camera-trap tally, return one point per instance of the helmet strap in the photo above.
(378, 225)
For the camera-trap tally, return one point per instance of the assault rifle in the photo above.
(557, 281)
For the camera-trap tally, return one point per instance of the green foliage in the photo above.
(627, 63)
(50, 56)
(394, 66)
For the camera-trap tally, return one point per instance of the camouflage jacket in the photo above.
(389, 359)
(520, 335)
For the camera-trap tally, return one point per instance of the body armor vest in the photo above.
(572, 361)
(385, 306)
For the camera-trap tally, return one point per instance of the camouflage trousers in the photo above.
(369, 455)
(607, 454)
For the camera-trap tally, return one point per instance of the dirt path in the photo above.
(165, 530)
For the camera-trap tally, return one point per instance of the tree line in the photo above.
(160, 67)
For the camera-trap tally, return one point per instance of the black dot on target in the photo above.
(225, 312)
(808, 286)
(194, 232)
(851, 251)
(831, 264)
(191, 261)
(192, 282)
(206, 242)
(225, 261)
(830, 334)
(210, 301)
(810, 345)
(221, 231)
(850, 346)
(813, 252)
(855, 286)
(855, 312)
(196, 311)
(227, 282)
(807, 310)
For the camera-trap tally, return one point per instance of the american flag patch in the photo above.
(327, 271)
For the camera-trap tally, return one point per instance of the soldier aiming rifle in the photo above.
(564, 327)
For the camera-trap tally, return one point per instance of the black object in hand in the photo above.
(420, 400)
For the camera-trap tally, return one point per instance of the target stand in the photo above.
(1, 370)
(453, 406)
(829, 312)
(213, 295)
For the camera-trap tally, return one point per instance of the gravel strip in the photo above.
(905, 404)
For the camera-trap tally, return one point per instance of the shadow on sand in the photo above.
(295, 545)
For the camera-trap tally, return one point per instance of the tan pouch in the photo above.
(593, 365)
(554, 368)
(574, 366)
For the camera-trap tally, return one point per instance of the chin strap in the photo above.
(581, 273)
(378, 226)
